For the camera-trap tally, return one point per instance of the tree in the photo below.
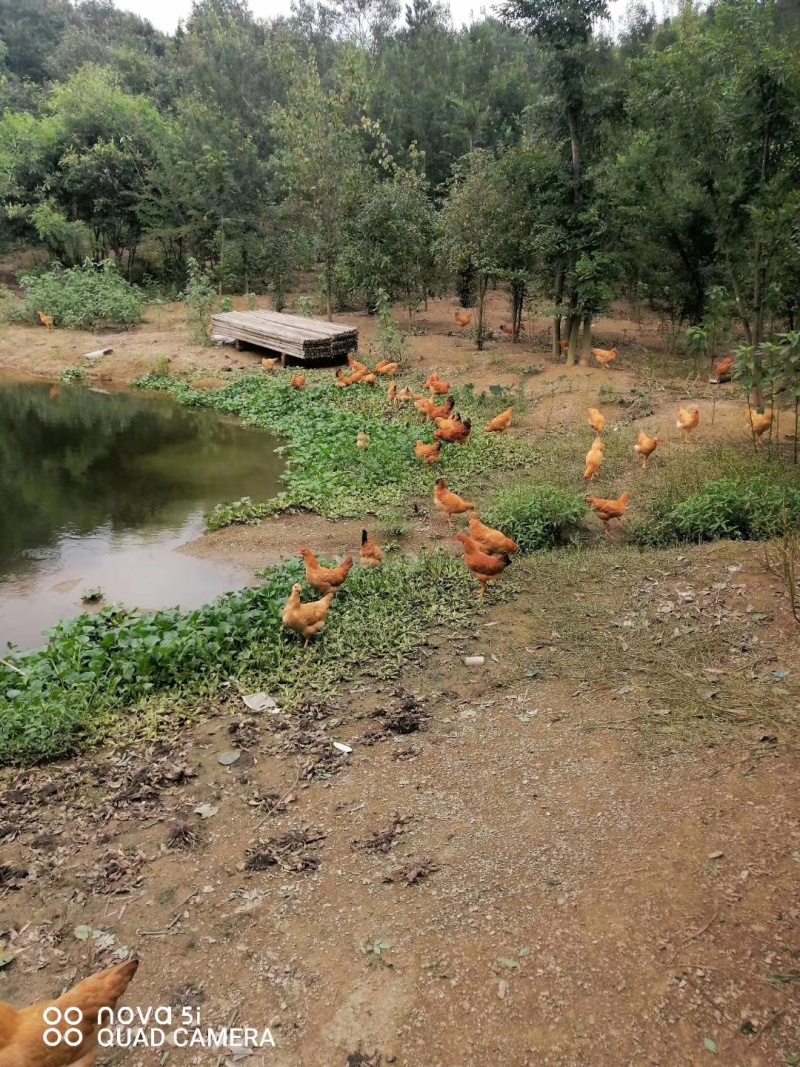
(319, 158)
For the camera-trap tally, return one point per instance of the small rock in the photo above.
(715, 855)
(474, 661)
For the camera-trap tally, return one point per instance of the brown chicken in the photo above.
(424, 405)
(500, 423)
(298, 381)
(463, 319)
(46, 320)
(453, 431)
(391, 392)
(564, 346)
(594, 459)
(269, 364)
(723, 370)
(356, 367)
(488, 540)
(759, 424)
(687, 420)
(363, 440)
(608, 509)
(597, 420)
(484, 567)
(369, 379)
(439, 387)
(306, 619)
(325, 579)
(405, 396)
(389, 369)
(604, 356)
(371, 552)
(506, 331)
(341, 380)
(429, 453)
(443, 411)
(645, 446)
(22, 1032)
(450, 503)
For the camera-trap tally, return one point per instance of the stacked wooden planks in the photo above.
(291, 335)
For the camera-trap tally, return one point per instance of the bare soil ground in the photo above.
(585, 851)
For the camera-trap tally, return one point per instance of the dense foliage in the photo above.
(406, 154)
(82, 298)
(538, 516)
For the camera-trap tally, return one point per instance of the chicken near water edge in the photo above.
(500, 423)
(325, 579)
(22, 1030)
(371, 554)
(597, 420)
(494, 542)
(607, 510)
(484, 567)
(644, 448)
(307, 619)
(449, 502)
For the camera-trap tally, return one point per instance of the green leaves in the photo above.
(83, 297)
(538, 517)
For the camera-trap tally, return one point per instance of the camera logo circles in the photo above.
(72, 1036)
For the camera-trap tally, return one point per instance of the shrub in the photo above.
(74, 376)
(199, 297)
(388, 341)
(84, 297)
(541, 516)
(739, 509)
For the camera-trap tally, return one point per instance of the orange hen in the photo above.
(608, 509)
(448, 502)
(325, 579)
(484, 567)
(500, 423)
(488, 540)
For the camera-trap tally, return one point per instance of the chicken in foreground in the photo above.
(424, 405)
(269, 364)
(325, 579)
(608, 509)
(597, 420)
(645, 446)
(758, 423)
(437, 386)
(356, 367)
(371, 552)
(22, 1032)
(404, 396)
(428, 453)
(309, 619)
(488, 540)
(46, 320)
(484, 567)
(448, 502)
(500, 423)
(387, 368)
(594, 459)
(363, 440)
(463, 319)
(687, 420)
(442, 411)
(604, 356)
(298, 381)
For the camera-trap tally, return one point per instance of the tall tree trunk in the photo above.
(558, 296)
(574, 332)
(482, 284)
(517, 301)
(586, 341)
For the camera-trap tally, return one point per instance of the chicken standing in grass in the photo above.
(485, 568)
(387, 368)
(488, 540)
(269, 364)
(428, 453)
(594, 459)
(363, 440)
(687, 421)
(298, 381)
(371, 554)
(453, 431)
(437, 386)
(442, 411)
(604, 356)
(758, 423)
(500, 423)
(644, 448)
(597, 420)
(608, 509)
(306, 619)
(325, 579)
(75, 1015)
(448, 502)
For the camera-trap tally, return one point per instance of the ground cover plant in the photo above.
(95, 668)
(82, 298)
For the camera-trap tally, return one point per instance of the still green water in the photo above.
(100, 489)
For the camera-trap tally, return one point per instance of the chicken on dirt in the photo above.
(484, 568)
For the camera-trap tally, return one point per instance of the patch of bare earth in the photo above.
(567, 856)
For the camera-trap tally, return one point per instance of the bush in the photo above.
(199, 297)
(753, 509)
(542, 516)
(83, 298)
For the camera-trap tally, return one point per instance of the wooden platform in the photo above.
(290, 335)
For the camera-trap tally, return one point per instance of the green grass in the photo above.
(538, 516)
(98, 672)
(326, 472)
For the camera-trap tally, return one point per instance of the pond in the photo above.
(100, 489)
